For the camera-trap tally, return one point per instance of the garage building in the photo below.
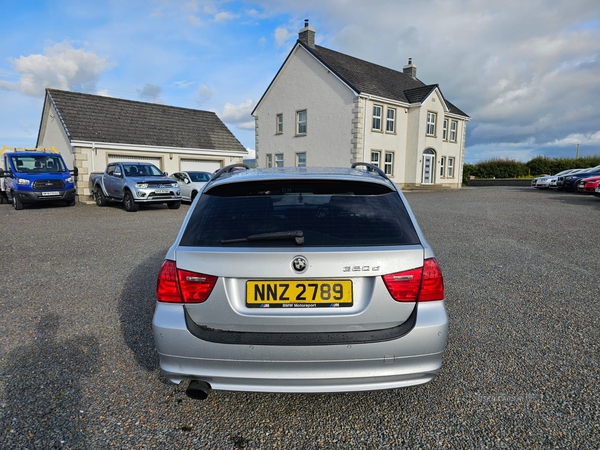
(92, 130)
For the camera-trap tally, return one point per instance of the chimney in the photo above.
(410, 69)
(307, 35)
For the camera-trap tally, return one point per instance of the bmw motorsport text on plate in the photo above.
(300, 280)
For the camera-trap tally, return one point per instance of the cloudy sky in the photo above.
(527, 72)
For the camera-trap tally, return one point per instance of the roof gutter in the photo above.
(146, 148)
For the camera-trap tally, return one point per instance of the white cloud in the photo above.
(150, 93)
(281, 36)
(521, 70)
(61, 66)
(193, 20)
(202, 95)
(239, 115)
(183, 84)
(224, 16)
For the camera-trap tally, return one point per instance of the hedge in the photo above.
(540, 165)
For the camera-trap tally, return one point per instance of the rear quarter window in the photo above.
(329, 213)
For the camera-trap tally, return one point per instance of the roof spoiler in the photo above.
(371, 168)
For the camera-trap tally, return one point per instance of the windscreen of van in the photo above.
(38, 164)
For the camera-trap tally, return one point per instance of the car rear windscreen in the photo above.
(323, 212)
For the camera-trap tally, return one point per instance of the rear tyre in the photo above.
(16, 202)
(174, 205)
(129, 204)
(100, 197)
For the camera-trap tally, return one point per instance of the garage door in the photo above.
(151, 159)
(201, 165)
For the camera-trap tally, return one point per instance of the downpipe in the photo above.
(198, 390)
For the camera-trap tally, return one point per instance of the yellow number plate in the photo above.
(298, 293)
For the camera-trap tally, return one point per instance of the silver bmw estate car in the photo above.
(300, 280)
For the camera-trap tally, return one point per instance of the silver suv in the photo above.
(300, 280)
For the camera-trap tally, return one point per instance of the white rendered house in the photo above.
(325, 108)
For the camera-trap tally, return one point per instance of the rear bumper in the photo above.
(412, 359)
(42, 196)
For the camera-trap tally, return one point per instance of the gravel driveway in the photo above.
(78, 368)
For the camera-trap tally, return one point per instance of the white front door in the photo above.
(428, 161)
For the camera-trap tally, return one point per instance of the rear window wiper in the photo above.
(297, 235)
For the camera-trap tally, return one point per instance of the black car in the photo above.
(570, 180)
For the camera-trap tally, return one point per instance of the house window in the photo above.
(442, 165)
(375, 157)
(279, 124)
(450, 167)
(300, 159)
(390, 125)
(278, 159)
(269, 160)
(431, 117)
(301, 122)
(445, 130)
(453, 128)
(388, 165)
(377, 117)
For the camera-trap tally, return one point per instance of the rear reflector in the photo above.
(421, 284)
(177, 286)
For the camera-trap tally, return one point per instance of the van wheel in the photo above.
(174, 205)
(99, 197)
(128, 202)
(16, 202)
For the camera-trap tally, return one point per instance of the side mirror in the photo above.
(166, 174)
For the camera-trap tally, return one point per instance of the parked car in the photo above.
(307, 281)
(541, 182)
(588, 185)
(191, 183)
(571, 179)
(556, 181)
(545, 181)
(597, 191)
(550, 182)
(553, 182)
(133, 184)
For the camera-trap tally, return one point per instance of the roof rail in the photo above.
(371, 168)
(228, 169)
(26, 149)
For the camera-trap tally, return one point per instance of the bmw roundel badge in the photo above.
(299, 264)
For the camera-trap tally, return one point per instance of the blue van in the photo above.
(36, 176)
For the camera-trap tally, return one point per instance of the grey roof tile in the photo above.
(369, 78)
(107, 119)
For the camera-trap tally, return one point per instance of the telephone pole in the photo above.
(577, 151)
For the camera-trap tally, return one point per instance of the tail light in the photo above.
(422, 284)
(182, 286)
